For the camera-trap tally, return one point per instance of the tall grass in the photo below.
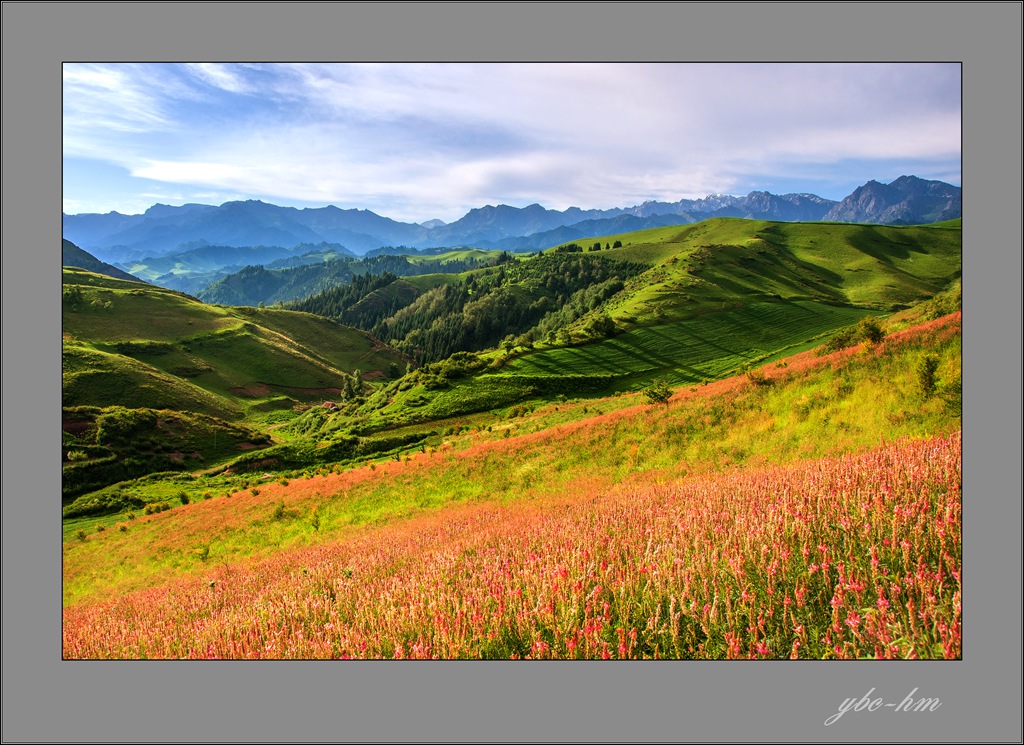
(850, 557)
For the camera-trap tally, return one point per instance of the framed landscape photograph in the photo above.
(557, 376)
(413, 412)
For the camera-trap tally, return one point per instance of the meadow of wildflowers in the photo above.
(852, 556)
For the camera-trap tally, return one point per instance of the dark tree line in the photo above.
(531, 300)
(254, 284)
(527, 299)
(334, 302)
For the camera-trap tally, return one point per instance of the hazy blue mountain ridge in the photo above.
(165, 230)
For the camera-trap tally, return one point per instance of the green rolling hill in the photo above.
(137, 347)
(205, 356)
(686, 305)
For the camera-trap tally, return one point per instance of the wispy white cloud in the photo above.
(104, 97)
(426, 140)
(220, 76)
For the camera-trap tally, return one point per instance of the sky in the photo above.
(416, 142)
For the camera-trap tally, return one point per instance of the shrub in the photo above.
(926, 369)
(756, 376)
(658, 392)
(183, 496)
(118, 425)
(279, 512)
(72, 295)
(870, 330)
(841, 340)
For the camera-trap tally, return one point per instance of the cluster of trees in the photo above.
(336, 301)
(568, 248)
(575, 307)
(254, 284)
(526, 299)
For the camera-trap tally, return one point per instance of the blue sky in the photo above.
(420, 141)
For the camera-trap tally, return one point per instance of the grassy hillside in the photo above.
(695, 350)
(829, 489)
(685, 304)
(769, 563)
(244, 356)
(522, 493)
(144, 348)
(658, 276)
(724, 261)
(812, 406)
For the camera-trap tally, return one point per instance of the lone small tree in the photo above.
(926, 370)
(658, 392)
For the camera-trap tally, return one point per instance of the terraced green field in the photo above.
(693, 350)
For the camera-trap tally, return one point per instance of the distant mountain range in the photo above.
(164, 230)
(906, 201)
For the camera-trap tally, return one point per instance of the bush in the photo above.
(841, 340)
(757, 376)
(926, 370)
(121, 426)
(658, 392)
(869, 330)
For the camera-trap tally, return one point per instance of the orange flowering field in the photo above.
(846, 557)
